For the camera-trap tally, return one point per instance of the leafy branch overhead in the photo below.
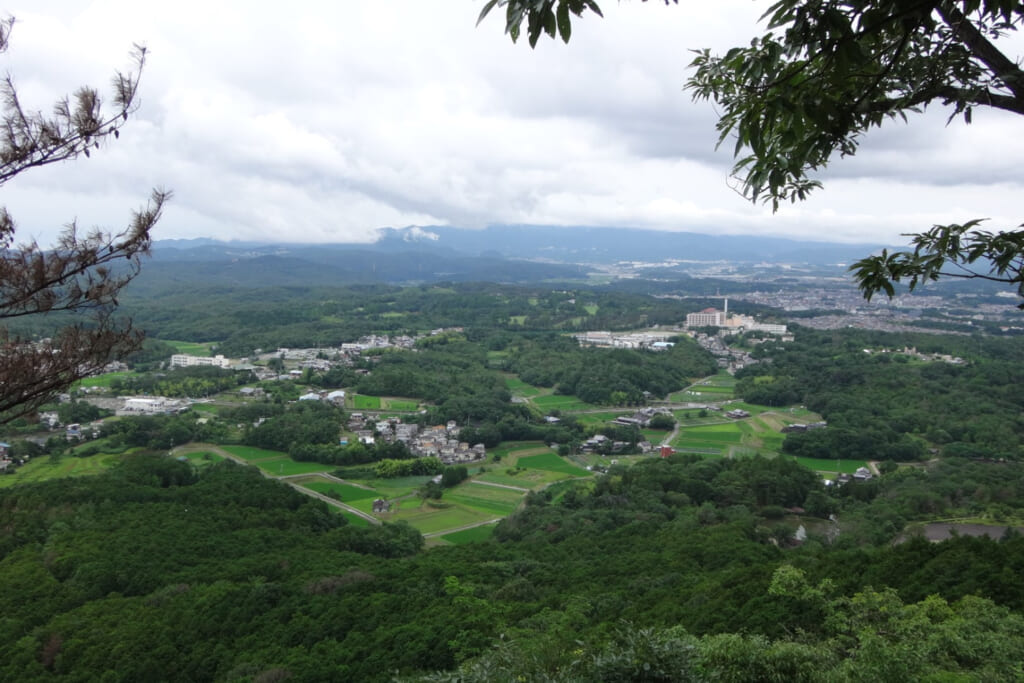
(823, 74)
(82, 274)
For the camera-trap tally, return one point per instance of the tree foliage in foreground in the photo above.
(824, 73)
(81, 274)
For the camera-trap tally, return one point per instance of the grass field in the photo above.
(485, 498)
(567, 403)
(346, 492)
(42, 468)
(474, 535)
(360, 402)
(283, 467)
(190, 348)
(552, 463)
(250, 454)
(427, 518)
(354, 520)
(591, 309)
(403, 404)
(103, 380)
(600, 418)
(520, 388)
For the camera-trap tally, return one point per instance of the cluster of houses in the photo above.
(641, 418)
(599, 443)
(441, 441)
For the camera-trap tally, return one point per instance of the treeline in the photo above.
(223, 574)
(298, 424)
(198, 381)
(892, 405)
(242, 319)
(608, 376)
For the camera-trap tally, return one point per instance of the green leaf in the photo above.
(564, 22)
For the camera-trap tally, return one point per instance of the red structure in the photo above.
(666, 451)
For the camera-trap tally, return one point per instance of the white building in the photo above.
(183, 360)
(709, 317)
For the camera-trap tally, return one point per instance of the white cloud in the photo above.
(326, 121)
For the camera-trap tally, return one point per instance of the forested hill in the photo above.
(565, 244)
(333, 265)
(670, 570)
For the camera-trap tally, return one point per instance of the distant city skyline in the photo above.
(325, 122)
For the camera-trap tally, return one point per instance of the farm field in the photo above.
(564, 403)
(42, 468)
(474, 535)
(347, 493)
(520, 388)
(360, 402)
(433, 516)
(400, 404)
(490, 499)
(251, 454)
(285, 466)
(600, 418)
(551, 463)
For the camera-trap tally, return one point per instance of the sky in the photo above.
(326, 121)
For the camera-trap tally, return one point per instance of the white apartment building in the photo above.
(182, 360)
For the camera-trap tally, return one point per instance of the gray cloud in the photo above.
(327, 121)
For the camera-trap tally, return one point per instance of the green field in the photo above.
(353, 520)
(591, 309)
(520, 388)
(553, 402)
(474, 535)
(283, 467)
(191, 348)
(552, 463)
(42, 468)
(347, 493)
(103, 380)
(428, 519)
(404, 404)
(250, 454)
(489, 499)
(360, 402)
(600, 418)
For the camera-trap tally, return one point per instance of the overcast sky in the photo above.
(324, 121)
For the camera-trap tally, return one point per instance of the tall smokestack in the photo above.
(726, 308)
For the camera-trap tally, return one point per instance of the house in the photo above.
(337, 397)
(381, 505)
(311, 396)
